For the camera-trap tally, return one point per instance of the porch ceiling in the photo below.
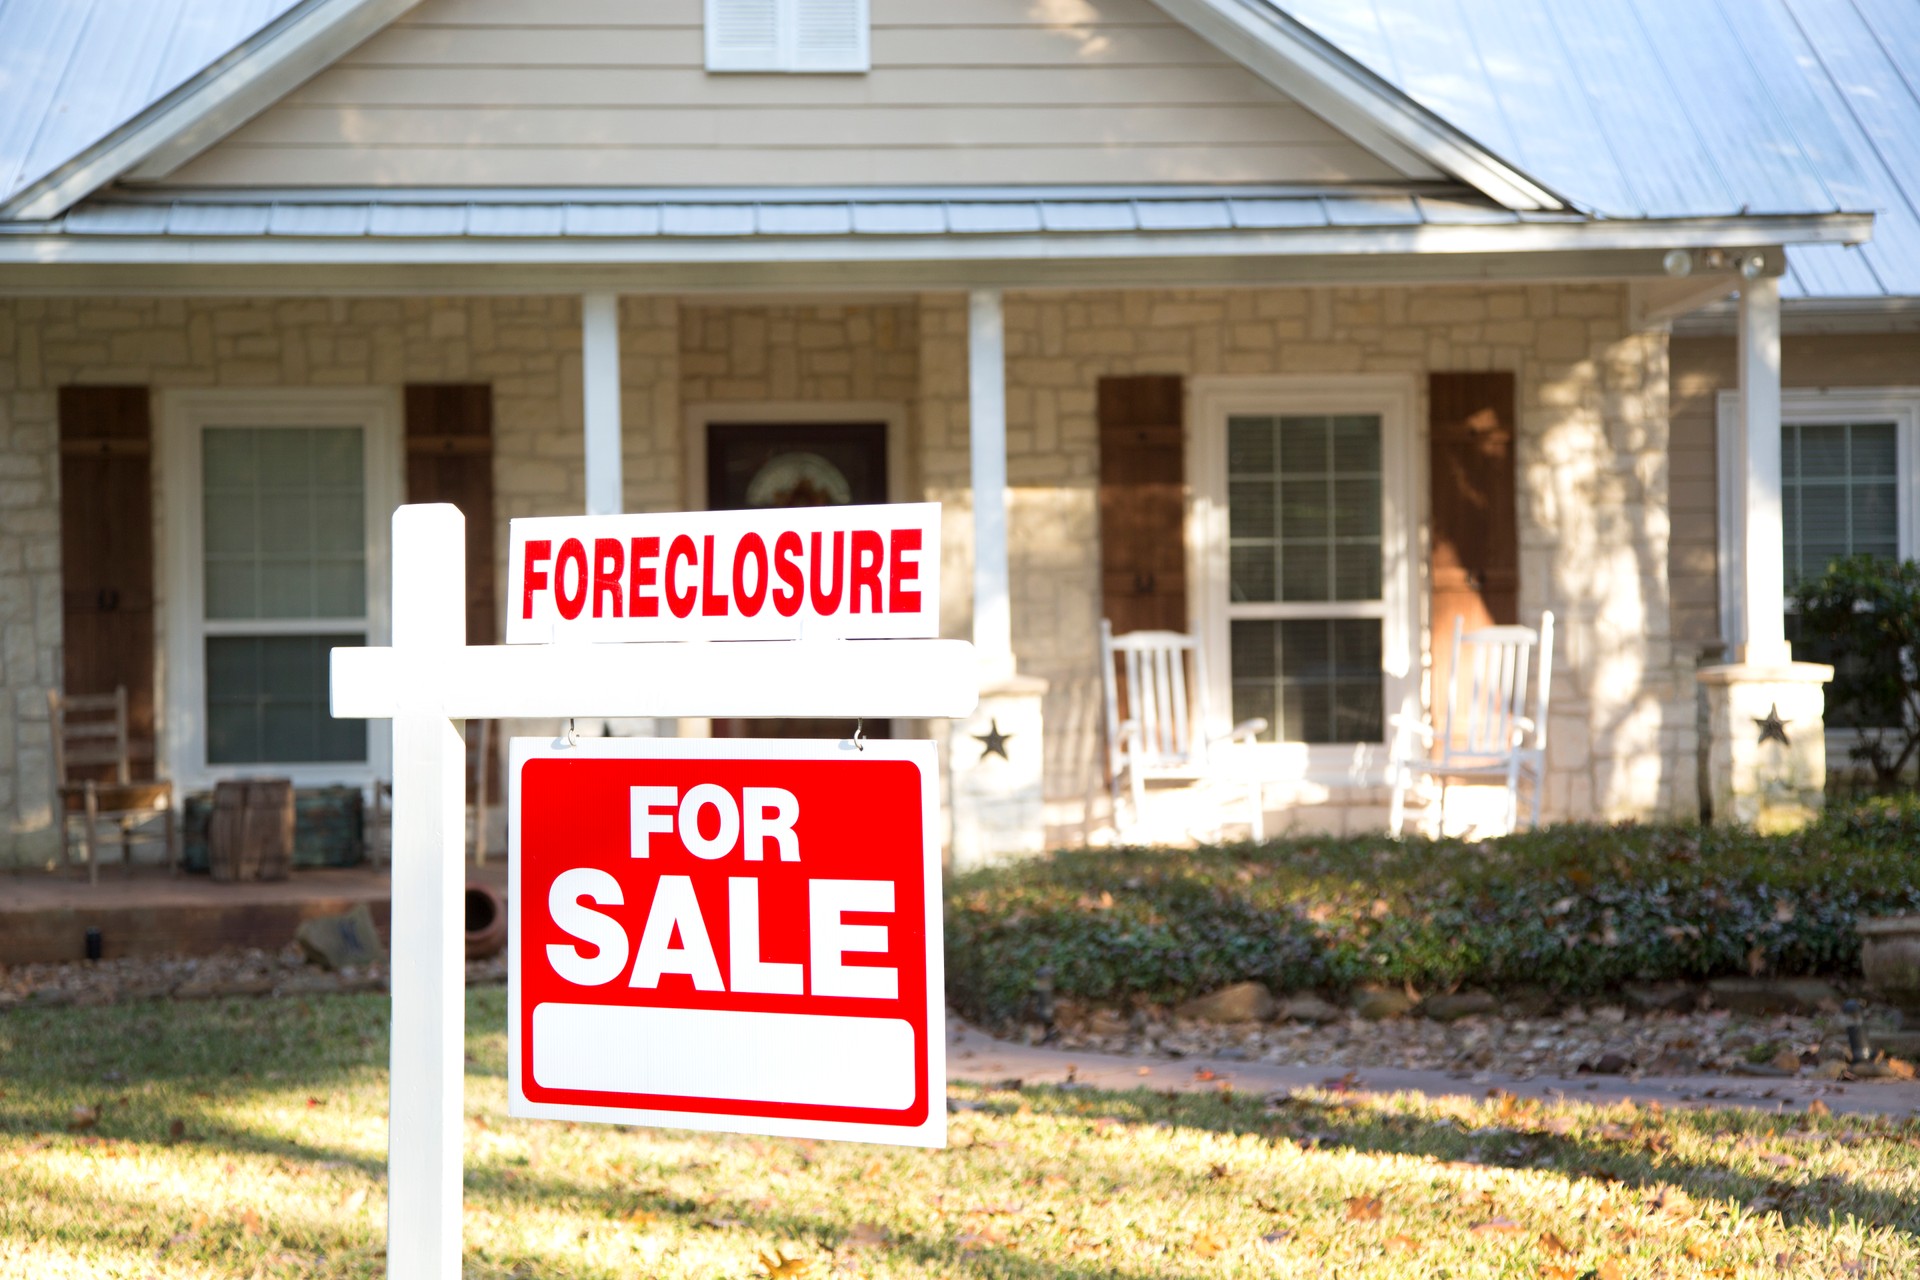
(525, 241)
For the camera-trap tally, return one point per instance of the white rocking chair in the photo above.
(1485, 735)
(1164, 737)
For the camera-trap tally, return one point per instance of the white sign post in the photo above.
(427, 683)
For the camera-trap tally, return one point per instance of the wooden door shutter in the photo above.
(106, 552)
(1143, 553)
(450, 459)
(1476, 537)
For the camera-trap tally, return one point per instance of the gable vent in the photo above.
(786, 35)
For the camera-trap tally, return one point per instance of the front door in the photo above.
(795, 464)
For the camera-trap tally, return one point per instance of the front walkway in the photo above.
(977, 1058)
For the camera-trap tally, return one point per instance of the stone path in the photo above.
(975, 1057)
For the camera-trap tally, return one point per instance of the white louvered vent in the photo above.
(786, 35)
(743, 35)
(830, 35)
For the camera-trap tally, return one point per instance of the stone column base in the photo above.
(1766, 749)
(994, 767)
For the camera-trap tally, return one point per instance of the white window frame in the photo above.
(184, 415)
(785, 56)
(1811, 406)
(1395, 399)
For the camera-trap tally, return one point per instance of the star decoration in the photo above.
(993, 742)
(1773, 728)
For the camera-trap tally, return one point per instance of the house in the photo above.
(1274, 322)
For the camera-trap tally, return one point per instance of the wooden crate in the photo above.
(250, 835)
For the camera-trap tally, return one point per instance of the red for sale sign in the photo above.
(727, 934)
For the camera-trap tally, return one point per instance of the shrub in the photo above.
(1579, 909)
(1863, 615)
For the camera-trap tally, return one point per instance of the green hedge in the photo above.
(1577, 909)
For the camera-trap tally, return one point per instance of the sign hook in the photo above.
(859, 735)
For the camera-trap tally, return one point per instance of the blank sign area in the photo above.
(806, 1059)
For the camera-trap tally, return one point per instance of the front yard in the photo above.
(247, 1139)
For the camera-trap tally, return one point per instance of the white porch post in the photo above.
(994, 757)
(600, 371)
(428, 968)
(1766, 752)
(987, 446)
(1761, 627)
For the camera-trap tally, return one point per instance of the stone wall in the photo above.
(1593, 457)
(527, 348)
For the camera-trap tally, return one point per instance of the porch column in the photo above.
(600, 372)
(1760, 635)
(994, 757)
(1765, 755)
(987, 446)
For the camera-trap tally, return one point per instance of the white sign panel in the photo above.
(866, 572)
(727, 934)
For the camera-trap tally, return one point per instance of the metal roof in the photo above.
(876, 212)
(72, 71)
(1678, 108)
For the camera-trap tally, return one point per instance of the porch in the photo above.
(548, 403)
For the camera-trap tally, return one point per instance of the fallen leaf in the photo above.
(1818, 1108)
(639, 1216)
(1402, 1244)
(1553, 1244)
(82, 1117)
(866, 1235)
(1609, 1269)
(250, 1222)
(315, 1102)
(972, 1241)
(1899, 1068)
(778, 1266)
(1202, 1074)
(1209, 1244)
(1364, 1208)
(1550, 1271)
(198, 1222)
(1217, 1172)
(1496, 1227)
(1699, 1251)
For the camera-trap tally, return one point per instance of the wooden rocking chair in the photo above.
(90, 735)
(1485, 735)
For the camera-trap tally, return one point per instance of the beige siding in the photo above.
(612, 93)
(1702, 368)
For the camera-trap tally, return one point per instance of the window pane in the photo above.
(1839, 495)
(1313, 680)
(267, 702)
(1303, 446)
(1305, 573)
(1252, 573)
(283, 522)
(1250, 446)
(1250, 509)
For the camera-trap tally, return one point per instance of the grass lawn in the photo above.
(247, 1139)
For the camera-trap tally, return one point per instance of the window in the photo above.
(1847, 464)
(786, 35)
(1839, 494)
(1301, 527)
(277, 507)
(1303, 519)
(283, 536)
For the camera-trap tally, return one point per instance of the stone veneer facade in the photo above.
(1592, 454)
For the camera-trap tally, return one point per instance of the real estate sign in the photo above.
(816, 572)
(727, 934)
